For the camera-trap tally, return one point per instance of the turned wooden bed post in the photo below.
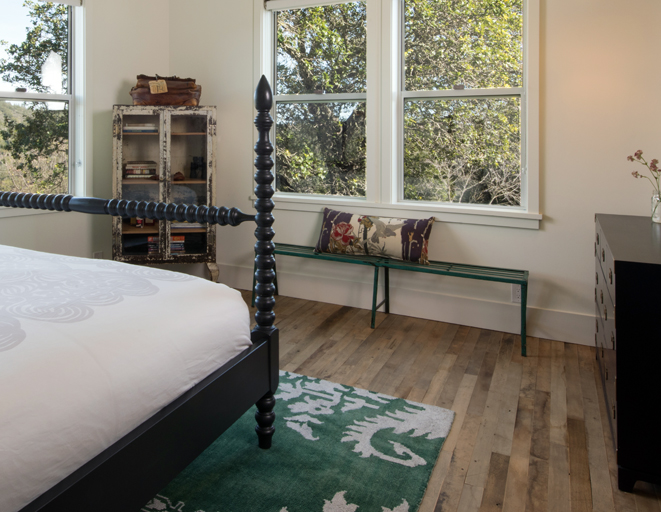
(264, 259)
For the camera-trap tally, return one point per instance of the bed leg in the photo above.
(265, 418)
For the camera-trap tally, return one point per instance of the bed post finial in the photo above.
(264, 259)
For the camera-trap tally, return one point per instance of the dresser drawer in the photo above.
(607, 368)
(610, 386)
(605, 310)
(606, 262)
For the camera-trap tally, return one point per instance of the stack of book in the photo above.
(176, 244)
(186, 225)
(152, 244)
(140, 128)
(144, 169)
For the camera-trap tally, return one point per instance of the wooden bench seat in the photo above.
(502, 275)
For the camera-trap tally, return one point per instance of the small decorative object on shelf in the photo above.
(655, 172)
(197, 168)
(153, 147)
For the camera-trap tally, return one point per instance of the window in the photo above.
(37, 97)
(320, 87)
(406, 105)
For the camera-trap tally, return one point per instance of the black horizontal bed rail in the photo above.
(127, 209)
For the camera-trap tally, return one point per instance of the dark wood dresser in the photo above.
(628, 340)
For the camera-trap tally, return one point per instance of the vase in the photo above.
(656, 207)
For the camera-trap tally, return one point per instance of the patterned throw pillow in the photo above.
(401, 239)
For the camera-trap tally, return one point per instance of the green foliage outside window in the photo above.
(320, 146)
(455, 149)
(34, 135)
(463, 150)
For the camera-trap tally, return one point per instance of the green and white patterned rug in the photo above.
(335, 449)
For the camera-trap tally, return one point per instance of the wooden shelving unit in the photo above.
(180, 135)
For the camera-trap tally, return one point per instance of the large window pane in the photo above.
(321, 49)
(320, 148)
(474, 43)
(34, 146)
(35, 49)
(463, 151)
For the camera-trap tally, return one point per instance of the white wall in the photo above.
(600, 101)
(123, 39)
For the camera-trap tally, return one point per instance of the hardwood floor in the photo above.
(530, 433)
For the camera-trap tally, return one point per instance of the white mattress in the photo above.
(89, 349)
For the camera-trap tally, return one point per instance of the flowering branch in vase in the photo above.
(655, 172)
(651, 166)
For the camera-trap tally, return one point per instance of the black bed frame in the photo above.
(124, 477)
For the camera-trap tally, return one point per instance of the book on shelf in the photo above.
(140, 171)
(143, 128)
(141, 164)
(148, 167)
(186, 225)
(155, 238)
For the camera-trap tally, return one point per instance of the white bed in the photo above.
(84, 359)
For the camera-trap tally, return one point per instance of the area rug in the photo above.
(336, 449)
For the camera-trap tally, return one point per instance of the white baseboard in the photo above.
(498, 316)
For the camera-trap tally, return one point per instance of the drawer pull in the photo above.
(610, 275)
(603, 255)
(605, 314)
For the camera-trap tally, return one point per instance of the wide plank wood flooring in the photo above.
(530, 434)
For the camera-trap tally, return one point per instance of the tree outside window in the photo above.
(463, 78)
(460, 101)
(34, 100)
(320, 100)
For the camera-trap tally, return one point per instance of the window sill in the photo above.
(7, 212)
(460, 214)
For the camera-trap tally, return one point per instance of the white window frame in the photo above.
(385, 122)
(79, 173)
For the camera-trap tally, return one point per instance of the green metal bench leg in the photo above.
(376, 290)
(387, 284)
(254, 281)
(524, 300)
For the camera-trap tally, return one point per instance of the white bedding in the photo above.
(89, 349)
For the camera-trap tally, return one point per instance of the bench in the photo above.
(501, 275)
